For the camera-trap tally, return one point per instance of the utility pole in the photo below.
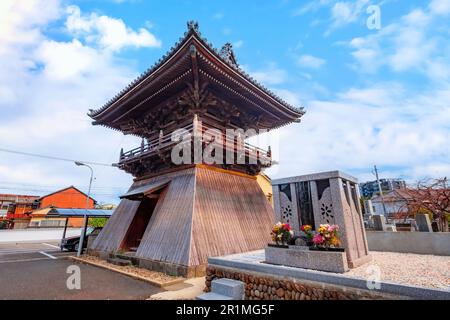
(380, 190)
(85, 216)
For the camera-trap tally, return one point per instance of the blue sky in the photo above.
(372, 96)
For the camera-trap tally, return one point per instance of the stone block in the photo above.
(379, 222)
(300, 257)
(228, 287)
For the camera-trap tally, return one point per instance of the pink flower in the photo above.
(318, 239)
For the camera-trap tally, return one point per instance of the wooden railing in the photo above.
(165, 140)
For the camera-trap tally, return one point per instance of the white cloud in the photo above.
(309, 61)
(63, 60)
(270, 75)
(312, 6)
(376, 95)
(18, 16)
(343, 13)
(290, 97)
(46, 89)
(366, 126)
(407, 45)
(440, 7)
(109, 33)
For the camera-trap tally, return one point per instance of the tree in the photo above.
(430, 196)
(97, 222)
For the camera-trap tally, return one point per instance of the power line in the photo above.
(29, 154)
(66, 193)
(57, 186)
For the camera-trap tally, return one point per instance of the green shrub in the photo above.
(97, 222)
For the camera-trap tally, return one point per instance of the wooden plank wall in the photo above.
(231, 215)
(201, 213)
(168, 234)
(111, 237)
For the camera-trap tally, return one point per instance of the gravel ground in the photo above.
(413, 269)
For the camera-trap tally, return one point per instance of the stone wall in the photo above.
(436, 243)
(263, 287)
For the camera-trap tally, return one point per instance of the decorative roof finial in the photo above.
(192, 25)
(227, 54)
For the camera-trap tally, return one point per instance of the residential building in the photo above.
(68, 198)
(16, 205)
(370, 188)
(16, 208)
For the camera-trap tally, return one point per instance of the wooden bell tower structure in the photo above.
(176, 215)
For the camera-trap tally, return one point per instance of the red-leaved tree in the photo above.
(429, 196)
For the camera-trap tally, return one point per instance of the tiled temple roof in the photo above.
(226, 55)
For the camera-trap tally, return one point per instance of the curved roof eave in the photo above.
(195, 34)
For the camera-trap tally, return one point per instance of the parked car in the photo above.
(72, 243)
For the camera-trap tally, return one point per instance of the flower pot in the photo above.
(276, 245)
(335, 249)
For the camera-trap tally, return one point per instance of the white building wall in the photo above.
(391, 207)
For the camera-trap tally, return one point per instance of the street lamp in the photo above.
(83, 230)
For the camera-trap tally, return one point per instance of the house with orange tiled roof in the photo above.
(67, 198)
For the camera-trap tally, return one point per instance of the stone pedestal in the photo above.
(423, 222)
(328, 197)
(302, 257)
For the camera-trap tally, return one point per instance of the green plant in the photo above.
(97, 222)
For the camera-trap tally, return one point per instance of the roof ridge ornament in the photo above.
(192, 25)
(227, 54)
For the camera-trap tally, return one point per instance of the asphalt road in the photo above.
(36, 235)
(39, 271)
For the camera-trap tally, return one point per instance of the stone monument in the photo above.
(324, 198)
(423, 222)
(379, 222)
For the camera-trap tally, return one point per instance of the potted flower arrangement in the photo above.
(281, 234)
(307, 234)
(327, 238)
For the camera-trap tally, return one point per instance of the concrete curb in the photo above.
(135, 276)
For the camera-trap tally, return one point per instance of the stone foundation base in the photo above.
(263, 287)
(159, 266)
(302, 257)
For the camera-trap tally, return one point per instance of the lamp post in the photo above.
(83, 230)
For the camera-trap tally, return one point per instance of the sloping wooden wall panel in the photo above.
(168, 234)
(231, 215)
(110, 238)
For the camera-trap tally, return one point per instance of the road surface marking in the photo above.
(24, 260)
(51, 245)
(48, 255)
(6, 252)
